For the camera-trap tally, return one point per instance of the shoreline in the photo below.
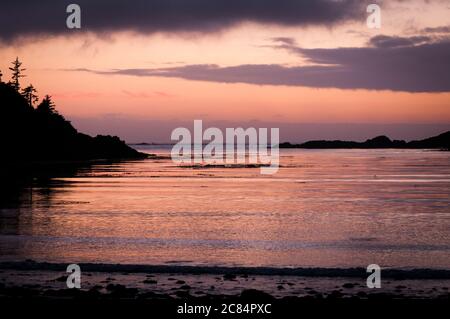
(353, 272)
(40, 280)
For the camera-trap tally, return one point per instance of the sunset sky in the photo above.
(139, 69)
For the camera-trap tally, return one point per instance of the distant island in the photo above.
(39, 133)
(441, 141)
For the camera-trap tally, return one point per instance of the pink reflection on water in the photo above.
(324, 208)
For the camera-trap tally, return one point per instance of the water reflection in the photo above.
(324, 208)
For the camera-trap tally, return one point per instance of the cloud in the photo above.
(441, 29)
(284, 40)
(383, 41)
(409, 68)
(47, 17)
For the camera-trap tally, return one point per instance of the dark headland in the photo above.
(441, 141)
(29, 134)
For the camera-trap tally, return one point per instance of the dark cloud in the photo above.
(416, 68)
(441, 29)
(47, 17)
(383, 41)
(284, 40)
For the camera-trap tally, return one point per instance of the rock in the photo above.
(335, 294)
(62, 278)
(115, 287)
(253, 294)
(185, 287)
(182, 294)
(229, 277)
(400, 287)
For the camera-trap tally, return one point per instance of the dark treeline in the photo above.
(35, 131)
(442, 141)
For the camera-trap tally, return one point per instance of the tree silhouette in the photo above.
(28, 94)
(1, 74)
(16, 73)
(40, 133)
(47, 106)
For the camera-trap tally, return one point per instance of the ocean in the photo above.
(324, 208)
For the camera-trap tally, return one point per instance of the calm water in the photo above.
(323, 208)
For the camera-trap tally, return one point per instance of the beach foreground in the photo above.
(175, 286)
(179, 291)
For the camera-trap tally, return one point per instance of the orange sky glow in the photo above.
(51, 61)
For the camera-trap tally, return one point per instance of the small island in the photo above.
(32, 131)
(442, 141)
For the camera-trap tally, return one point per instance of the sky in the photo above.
(139, 69)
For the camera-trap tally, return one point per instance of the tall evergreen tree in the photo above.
(16, 73)
(47, 106)
(29, 94)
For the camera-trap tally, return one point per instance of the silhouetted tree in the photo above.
(28, 94)
(47, 106)
(1, 74)
(16, 73)
(41, 133)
